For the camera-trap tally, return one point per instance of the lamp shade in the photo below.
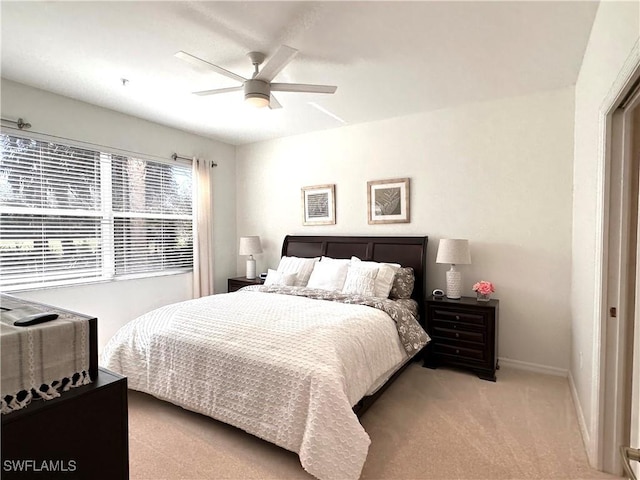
(250, 245)
(454, 251)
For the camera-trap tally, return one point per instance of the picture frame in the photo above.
(319, 205)
(388, 201)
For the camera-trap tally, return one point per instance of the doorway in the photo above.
(620, 394)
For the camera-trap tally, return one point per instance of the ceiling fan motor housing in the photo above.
(256, 89)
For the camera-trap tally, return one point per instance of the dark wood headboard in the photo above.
(407, 251)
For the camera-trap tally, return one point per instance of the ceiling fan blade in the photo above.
(274, 103)
(327, 112)
(301, 87)
(276, 63)
(218, 90)
(198, 62)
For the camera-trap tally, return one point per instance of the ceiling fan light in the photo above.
(256, 100)
(257, 93)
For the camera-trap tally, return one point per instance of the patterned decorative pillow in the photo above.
(384, 279)
(361, 280)
(403, 283)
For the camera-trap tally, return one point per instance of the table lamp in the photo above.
(249, 246)
(455, 252)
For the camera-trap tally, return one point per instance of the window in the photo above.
(70, 214)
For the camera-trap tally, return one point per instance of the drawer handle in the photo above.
(457, 317)
(457, 335)
(455, 326)
(457, 351)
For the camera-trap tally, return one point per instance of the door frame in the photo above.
(612, 392)
(634, 340)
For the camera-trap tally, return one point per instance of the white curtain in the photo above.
(202, 229)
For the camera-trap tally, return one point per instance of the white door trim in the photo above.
(622, 285)
(634, 338)
(605, 425)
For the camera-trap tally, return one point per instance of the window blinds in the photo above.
(70, 214)
(152, 204)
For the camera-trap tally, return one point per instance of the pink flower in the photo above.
(484, 287)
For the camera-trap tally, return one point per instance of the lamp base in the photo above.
(251, 268)
(454, 284)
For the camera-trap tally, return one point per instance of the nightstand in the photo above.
(464, 333)
(237, 283)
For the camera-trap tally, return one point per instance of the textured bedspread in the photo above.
(403, 312)
(285, 368)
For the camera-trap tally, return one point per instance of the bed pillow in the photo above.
(302, 267)
(403, 283)
(345, 261)
(276, 278)
(361, 280)
(384, 278)
(328, 275)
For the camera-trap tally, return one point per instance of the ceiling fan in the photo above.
(258, 88)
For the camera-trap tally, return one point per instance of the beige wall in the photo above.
(614, 34)
(115, 303)
(496, 173)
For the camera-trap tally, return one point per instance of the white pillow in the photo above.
(301, 266)
(361, 279)
(276, 278)
(328, 276)
(384, 279)
(346, 261)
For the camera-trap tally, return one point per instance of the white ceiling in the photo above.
(388, 59)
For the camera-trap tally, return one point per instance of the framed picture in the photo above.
(319, 205)
(388, 201)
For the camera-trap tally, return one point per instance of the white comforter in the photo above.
(286, 369)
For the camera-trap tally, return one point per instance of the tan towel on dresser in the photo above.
(41, 360)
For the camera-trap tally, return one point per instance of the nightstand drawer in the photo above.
(444, 330)
(459, 352)
(459, 316)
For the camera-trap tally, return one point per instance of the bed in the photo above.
(292, 364)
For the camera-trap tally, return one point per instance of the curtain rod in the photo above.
(175, 156)
(20, 123)
(84, 144)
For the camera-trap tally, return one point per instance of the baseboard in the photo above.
(533, 367)
(584, 431)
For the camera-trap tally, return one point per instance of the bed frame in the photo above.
(407, 251)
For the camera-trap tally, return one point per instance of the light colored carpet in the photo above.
(430, 424)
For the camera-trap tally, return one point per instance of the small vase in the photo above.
(483, 297)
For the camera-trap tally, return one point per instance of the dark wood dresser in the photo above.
(83, 434)
(237, 283)
(464, 333)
